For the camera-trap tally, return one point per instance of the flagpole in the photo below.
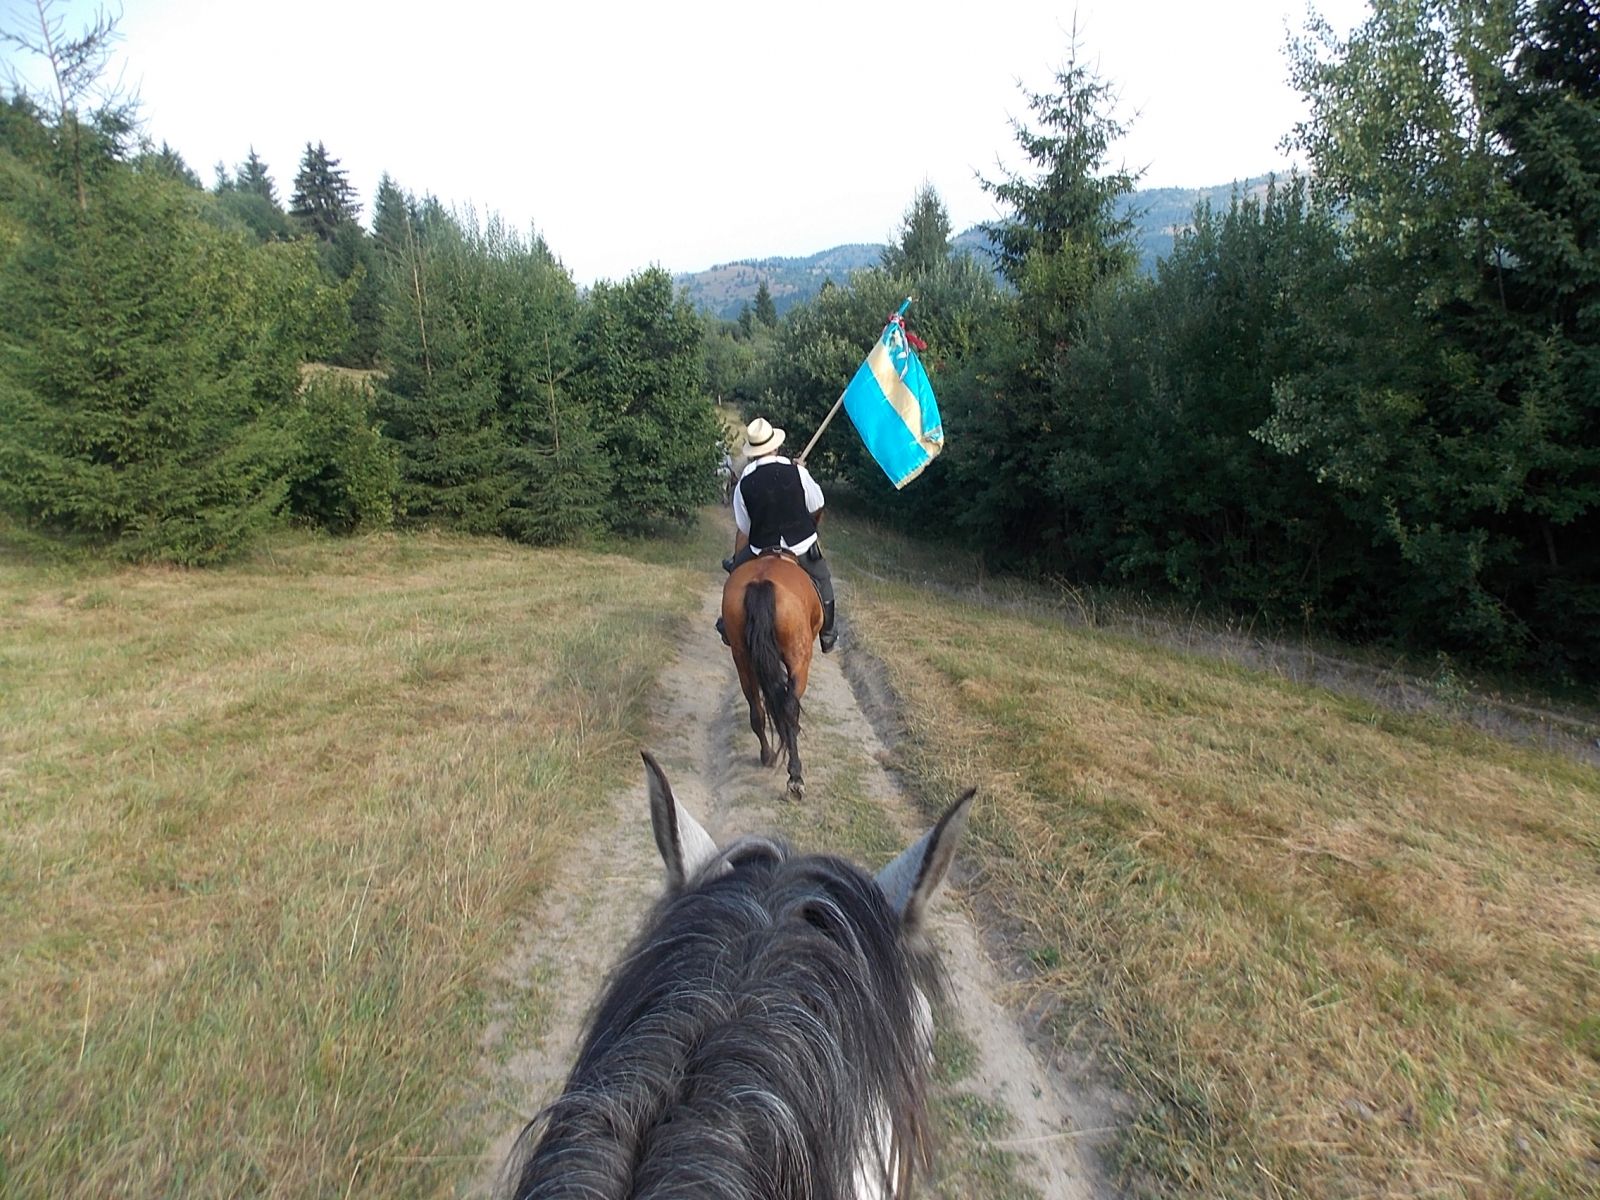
(834, 411)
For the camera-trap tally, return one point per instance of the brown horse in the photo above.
(771, 612)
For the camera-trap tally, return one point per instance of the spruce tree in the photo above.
(766, 312)
(1062, 243)
(642, 372)
(152, 362)
(924, 240)
(323, 198)
(252, 176)
(1068, 205)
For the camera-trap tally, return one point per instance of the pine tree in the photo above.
(252, 176)
(924, 240)
(323, 198)
(1061, 245)
(1070, 204)
(167, 161)
(766, 312)
(152, 359)
(642, 373)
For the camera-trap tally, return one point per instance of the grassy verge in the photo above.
(263, 832)
(1554, 715)
(1331, 950)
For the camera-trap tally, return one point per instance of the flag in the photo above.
(892, 404)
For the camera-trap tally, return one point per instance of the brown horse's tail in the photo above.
(772, 674)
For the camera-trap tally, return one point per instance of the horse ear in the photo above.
(911, 880)
(685, 847)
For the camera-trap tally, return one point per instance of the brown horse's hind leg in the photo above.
(758, 718)
(758, 724)
(797, 658)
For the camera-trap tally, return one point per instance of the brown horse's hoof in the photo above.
(769, 759)
(797, 789)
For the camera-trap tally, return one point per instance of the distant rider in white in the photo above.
(776, 505)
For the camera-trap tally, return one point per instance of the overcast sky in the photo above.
(691, 133)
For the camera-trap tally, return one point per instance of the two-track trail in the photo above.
(1013, 1123)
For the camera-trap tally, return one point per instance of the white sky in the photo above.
(693, 133)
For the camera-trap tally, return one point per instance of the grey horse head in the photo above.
(768, 1034)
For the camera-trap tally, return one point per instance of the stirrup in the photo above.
(722, 632)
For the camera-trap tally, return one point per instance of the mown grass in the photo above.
(1328, 950)
(264, 832)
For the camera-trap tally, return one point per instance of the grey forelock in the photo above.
(748, 1045)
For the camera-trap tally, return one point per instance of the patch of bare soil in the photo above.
(1044, 1117)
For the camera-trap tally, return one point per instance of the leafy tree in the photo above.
(820, 345)
(734, 364)
(1156, 472)
(323, 198)
(1537, 322)
(1461, 434)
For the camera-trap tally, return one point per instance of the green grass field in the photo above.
(1327, 950)
(263, 832)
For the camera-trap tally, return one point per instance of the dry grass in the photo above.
(1331, 950)
(263, 831)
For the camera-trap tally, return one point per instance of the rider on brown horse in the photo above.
(776, 505)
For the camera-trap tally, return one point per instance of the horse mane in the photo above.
(766, 1035)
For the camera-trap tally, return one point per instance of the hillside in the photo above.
(725, 289)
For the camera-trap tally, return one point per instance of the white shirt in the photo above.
(814, 503)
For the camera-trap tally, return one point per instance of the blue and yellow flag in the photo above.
(892, 404)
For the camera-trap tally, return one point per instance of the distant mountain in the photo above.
(1159, 215)
(727, 288)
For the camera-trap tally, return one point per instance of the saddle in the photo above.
(781, 552)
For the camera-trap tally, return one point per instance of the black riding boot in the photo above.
(829, 635)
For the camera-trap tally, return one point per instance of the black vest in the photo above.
(775, 499)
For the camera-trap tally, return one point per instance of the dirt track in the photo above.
(704, 743)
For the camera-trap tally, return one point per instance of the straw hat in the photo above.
(761, 438)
